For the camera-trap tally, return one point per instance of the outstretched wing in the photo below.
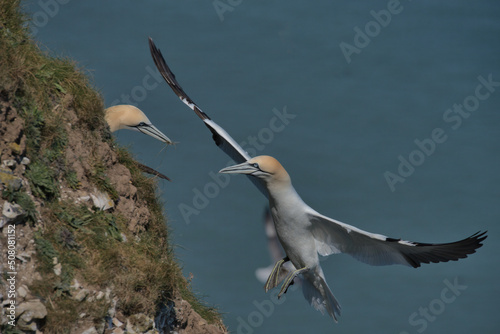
(332, 236)
(222, 139)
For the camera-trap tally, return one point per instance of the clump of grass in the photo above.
(209, 313)
(55, 140)
(100, 179)
(64, 317)
(62, 239)
(90, 244)
(42, 88)
(67, 239)
(72, 179)
(42, 180)
(64, 312)
(30, 74)
(46, 145)
(22, 199)
(33, 123)
(45, 252)
(8, 329)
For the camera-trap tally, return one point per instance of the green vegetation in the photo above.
(153, 245)
(99, 178)
(43, 180)
(24, 200)
(92, 246)
(12, 330)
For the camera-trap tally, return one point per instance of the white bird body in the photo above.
(304, 233)
(293, 229)
(291, 218)
(292, 225)
(275, 249)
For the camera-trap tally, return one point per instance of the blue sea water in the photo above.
(385, 113)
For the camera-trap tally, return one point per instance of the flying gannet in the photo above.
(126, 116)
(304, 233)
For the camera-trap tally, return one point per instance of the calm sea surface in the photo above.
(386, 115)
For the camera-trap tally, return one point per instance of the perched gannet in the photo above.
(125, 116)
(304, 233)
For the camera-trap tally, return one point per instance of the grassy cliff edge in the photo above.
(79, 267)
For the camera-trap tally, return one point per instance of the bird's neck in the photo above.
(282, 190)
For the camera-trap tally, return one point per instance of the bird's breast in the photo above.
(293, 231)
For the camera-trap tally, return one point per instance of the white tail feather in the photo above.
(319, 295)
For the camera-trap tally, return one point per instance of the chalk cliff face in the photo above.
(83, 240)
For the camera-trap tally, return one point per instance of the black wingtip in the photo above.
(452, 251)
(480, 237)
(169, 77)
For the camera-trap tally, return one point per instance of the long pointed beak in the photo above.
(151, 130)
(244, 168)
